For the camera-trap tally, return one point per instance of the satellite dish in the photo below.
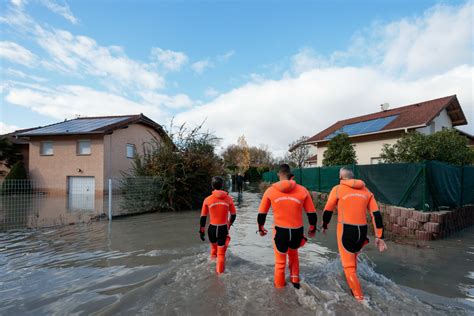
(384, 106)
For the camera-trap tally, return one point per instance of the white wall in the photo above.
(365, 151)
(442, 120)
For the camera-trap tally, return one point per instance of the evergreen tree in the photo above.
(340, 151)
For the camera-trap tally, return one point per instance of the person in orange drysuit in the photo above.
(218, 206)
(353, 200)
(287, 200)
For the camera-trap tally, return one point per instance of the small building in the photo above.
(370, 132)
(78, 156)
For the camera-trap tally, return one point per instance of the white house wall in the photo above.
(442, 120)
(365, 151)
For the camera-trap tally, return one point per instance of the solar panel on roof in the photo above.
(364, 127)
(76, 126)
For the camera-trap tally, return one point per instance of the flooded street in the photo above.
(156, 264)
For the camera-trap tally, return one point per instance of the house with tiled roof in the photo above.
(370, 132)
(77, 156)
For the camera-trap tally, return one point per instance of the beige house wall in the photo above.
(365, 151)
(115, 159)
(51, 172)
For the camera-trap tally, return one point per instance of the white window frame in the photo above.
(42, 148)
(78, 147)
(134, 151)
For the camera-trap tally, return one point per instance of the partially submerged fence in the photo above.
(427, 186)
(31, 203)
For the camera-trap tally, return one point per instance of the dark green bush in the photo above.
(445, 146)
(16, 181)
(340, 152)
(182, 167)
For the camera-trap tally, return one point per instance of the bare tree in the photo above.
(298, 152)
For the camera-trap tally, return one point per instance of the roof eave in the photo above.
(373, 133)
(458, 108)
(61, 134)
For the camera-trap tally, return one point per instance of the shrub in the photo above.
(446, 146)
(340, 152)
(16, 181)
(182, 167)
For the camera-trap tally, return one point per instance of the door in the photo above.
(81, 193)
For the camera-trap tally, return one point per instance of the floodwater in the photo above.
(156, 264)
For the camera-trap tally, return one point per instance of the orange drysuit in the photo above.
(218, 206)
(353, 200)
(287, 200)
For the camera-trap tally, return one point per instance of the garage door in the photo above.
(81, 193)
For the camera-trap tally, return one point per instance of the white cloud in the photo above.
(275, 112)
(211, 92)
(323, 91)
(82, 53)
(68, 101)
(22, 75)
(179, 101)
(435, 42)
(77, 55)
(170, 60)
(306, 59)
(16, 53)
(18, 3)
(226, 56)
(6, 128)
(200, 66)
(62, 10)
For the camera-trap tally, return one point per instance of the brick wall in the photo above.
(426, 225)
(411, 223)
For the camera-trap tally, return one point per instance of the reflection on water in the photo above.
(43, 210)
(81, 202)
(156, 264)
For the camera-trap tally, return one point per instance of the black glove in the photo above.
(202, 234)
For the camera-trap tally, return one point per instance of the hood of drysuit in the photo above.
(353, 183)
(220, 194)
(285, 185)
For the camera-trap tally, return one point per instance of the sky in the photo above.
(270, 70)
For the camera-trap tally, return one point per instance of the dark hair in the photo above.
(217, 183)
(284, 169)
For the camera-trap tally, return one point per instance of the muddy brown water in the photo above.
(156, 264)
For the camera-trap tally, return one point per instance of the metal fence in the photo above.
(32, 203)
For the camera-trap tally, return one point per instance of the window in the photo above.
(46, 148)
(84, 147)
(130, 151)
(375, 160)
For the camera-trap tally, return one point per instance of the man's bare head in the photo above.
(346, 174)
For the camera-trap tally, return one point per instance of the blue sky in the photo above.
(256, 68)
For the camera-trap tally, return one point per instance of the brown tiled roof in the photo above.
(409, 116)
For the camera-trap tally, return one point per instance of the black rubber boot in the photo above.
(296, 285)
